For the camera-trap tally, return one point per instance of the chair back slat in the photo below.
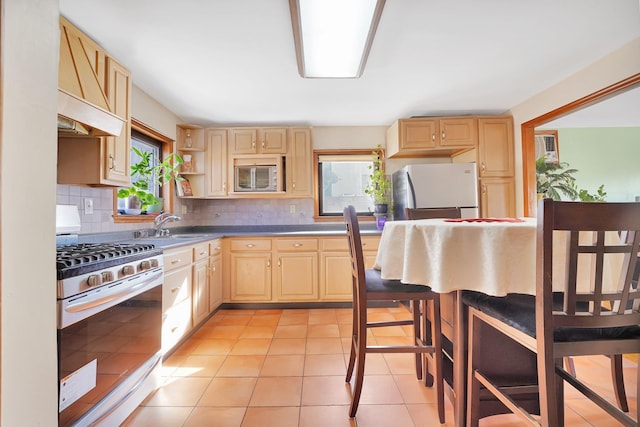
(605, 237)
(429, 213)
(355, 250)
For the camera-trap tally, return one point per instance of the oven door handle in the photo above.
(119, 294)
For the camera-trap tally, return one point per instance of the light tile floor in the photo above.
(267, 368)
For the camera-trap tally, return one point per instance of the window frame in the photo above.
(316, 183)
(166, 190)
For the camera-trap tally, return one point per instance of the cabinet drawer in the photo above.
(200, 251)
(177, 258)
(369, 243)
(215, 247)
(286, 245)
(251, 245)
(176, 287)
(176, 323)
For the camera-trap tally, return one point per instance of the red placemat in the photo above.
(484, 220)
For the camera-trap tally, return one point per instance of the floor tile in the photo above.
(288, 346)
(258, 332)
(218, 417)
(383, 416)
(241, 366)
(323, 331)
(286, 365)
(323, 416)
(277, 391)
(271, 417)
(324, 345)
(214, 346)
(179, 392)
(199, 366)
(325, 390)
(228, 392)
(165, 416)
(324, 364)
(291, 331)
(251, 346)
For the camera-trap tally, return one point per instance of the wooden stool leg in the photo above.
(618, 382)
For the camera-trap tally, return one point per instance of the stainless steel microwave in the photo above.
(256, 178)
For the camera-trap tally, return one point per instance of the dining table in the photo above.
(495, 256)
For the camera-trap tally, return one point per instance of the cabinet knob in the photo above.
(279, 262)
(250, 245)
(112, 162)
(263, 144)
(174, 290)
(269, 263)
(297, 245)
(433, 136)
(443, 135)
(203, 253)
(483, 167)
(484, 188)
(175, 261)
(253, 144)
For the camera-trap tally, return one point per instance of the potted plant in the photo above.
(379, 185)
(554, 179)
(138, 194)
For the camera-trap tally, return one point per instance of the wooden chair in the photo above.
(417, 213)
(596, 322)
(369, 286)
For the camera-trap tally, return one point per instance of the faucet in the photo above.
(161, 220)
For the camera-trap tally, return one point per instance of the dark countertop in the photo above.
(180, 236)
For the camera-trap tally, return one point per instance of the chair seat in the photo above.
(518, 311)
(375, 283)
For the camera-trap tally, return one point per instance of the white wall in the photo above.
(153, 114)
(614, 67)
(28, 149)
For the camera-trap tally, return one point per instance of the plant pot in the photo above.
(156, 208)
(380, 208)
(132, 205)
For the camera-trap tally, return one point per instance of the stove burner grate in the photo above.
(85, 257)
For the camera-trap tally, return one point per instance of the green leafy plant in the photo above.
(599, 196)
(554, 179)
(147, 174)
(379, 185)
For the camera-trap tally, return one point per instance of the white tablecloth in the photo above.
(496, 258)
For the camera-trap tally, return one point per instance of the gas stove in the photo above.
(85, 266)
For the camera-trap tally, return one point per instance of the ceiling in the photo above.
(223, 62)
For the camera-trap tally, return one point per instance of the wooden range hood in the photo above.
(81, 97)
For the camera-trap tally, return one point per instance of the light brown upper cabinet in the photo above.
(300, 163)
(258, 140)
(432, 136)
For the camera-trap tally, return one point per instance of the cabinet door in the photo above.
(300, 163)
(273, 141)
(495, 147)
(335, 276)
(497, 197)
(250, 276)
(456, 132)
(297, 276)
(215, 282)
(200, 298)
(243, 141)
(416, 134)
(119, 147)
(217, 162)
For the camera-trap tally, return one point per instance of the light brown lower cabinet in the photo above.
(176, 296)
(200, 271)
(215, 274)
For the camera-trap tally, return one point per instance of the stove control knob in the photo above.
(154, 263)
(107, 276)
(94, 280)
(144, 265)
(128, 270)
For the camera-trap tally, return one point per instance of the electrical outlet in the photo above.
(88, 206)
(184, 209)
(292, 208)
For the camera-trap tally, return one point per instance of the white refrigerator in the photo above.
(436, 185)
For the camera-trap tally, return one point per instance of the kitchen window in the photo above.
(146, 139)
(342, 177)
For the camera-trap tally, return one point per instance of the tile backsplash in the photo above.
(199, 212)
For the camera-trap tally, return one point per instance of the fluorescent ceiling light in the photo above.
(333, 37)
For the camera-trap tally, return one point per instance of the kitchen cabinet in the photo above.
(176, 296)
(258, 140)
(87, 71)
(118, 148)
(296, 275)
(335, 266)
(217, 163)
(215, 274)
(200, 271)
(497, 197)
(496, 173)
(250, 269)
(299, 164)
(191, 142)
(432, 136)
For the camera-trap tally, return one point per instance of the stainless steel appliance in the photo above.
(436, 185)
(256, 177)
(109, 315)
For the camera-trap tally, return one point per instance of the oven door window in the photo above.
(108, 345)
